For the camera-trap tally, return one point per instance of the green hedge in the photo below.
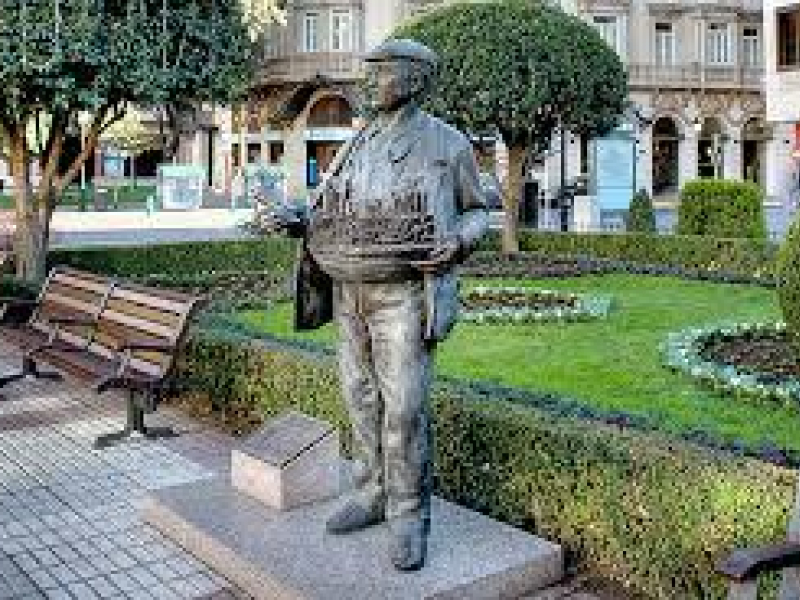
(183, 260)
(747, 257)
(722, 208)
(742, 256)
(648, 512)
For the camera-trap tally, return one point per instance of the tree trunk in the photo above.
(511, 196)
(30, 243)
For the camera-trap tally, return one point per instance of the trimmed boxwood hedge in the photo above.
(649, 512)
(183, 259)
(722, 208)
(752, 259)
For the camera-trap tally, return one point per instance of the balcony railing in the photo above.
(303, 66)
(695, 75)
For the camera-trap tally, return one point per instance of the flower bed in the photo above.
(527, 305)
(687, 351)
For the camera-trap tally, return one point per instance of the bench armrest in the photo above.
(748, 563)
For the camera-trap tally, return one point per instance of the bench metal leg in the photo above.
(134, 427)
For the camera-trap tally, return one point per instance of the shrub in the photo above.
(722, 208)
(640, 217)
(748, 258)
(184, 259)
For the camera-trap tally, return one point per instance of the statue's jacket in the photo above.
(417, 152)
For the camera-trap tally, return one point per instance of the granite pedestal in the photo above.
(272, 554)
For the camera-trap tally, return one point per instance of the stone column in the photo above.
(687, 156)
(644, 161)
(295, 159)
(781, 168)
(732, 154)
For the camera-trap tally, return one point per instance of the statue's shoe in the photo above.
(355, 515)
(408, 543)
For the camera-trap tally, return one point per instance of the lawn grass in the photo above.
(614, 364)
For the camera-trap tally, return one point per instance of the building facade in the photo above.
(696, 80)
(782, 51)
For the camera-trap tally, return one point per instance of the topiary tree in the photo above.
(722, 208)
(641, 217)
(63, 58)
(521, 68)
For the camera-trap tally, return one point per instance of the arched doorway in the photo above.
(709, 149)
(327, 119)
(755, 134)
(665, 156)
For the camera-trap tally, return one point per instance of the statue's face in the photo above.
(393, 83)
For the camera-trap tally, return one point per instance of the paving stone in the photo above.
(143, 576)
(103, 564)
(43, 579)
(46, 557)
(84, 568)
(162, 571)
(103, 587)
(58, 594)
(122, 559)
(123, 581)
(82, 591)
(64, 574)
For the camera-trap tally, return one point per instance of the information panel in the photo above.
(614, 171)
(180, 187)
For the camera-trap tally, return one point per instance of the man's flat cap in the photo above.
(402, 49)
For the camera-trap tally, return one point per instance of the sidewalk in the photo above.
(75, 228)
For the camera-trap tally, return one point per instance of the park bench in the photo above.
(743, 566)
(66, 311)
(130, 345)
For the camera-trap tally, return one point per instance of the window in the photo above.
(341, 31)
(275, 153)
(751, 48)
(717, 44)
(608, 28)
(235, 156)
(311, 32)
(665, 44)
(253, 153)
(788, 32)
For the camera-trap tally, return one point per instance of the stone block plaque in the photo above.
(292, 460)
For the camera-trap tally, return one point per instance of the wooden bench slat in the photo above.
(157, 301)
(95, 285)
(139, 325)
(145, 313)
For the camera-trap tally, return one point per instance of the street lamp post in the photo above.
(562, 194)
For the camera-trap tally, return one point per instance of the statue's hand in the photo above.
(442, 259)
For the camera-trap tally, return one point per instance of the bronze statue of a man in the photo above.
(394, 306)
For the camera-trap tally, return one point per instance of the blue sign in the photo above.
(113, 166)
(614, 171)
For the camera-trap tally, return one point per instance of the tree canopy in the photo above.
(62, 58)
(521, 67)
